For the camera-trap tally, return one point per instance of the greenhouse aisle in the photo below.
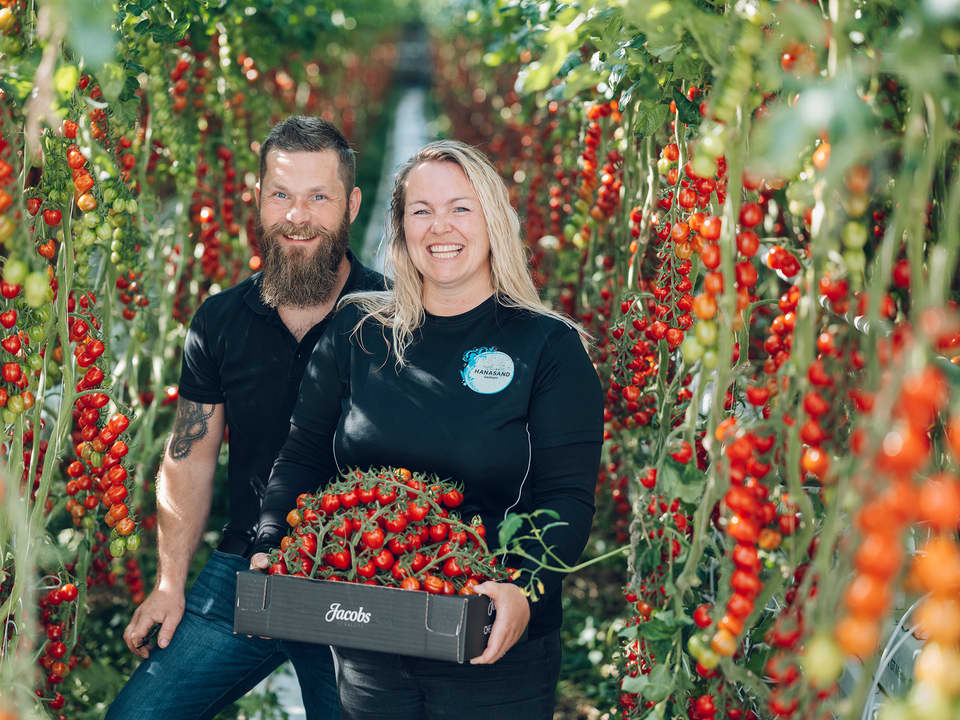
(408, 134)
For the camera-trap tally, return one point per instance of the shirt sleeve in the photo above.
(200, 367)
(306, 460)
(566, 406)
(566, 428)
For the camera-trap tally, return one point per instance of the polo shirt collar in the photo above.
(252, 294)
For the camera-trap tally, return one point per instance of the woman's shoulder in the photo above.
(543, 324)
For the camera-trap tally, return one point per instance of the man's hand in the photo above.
(513, 614)
(259, 561)
(161, 606)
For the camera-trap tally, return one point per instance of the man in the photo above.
(243, 358)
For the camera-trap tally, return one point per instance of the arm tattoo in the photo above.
(189, 426)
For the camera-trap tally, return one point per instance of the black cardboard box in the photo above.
(408, 622)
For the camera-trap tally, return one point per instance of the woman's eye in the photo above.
(461, 209)
(421, 211)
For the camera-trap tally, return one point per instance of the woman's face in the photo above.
(446, 235)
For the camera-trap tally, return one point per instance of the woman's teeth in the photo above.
(445, 251)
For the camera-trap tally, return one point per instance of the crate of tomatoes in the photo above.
(380, 561)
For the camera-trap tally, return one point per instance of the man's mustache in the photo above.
(289, 229)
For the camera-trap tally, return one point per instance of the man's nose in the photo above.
(297, 212)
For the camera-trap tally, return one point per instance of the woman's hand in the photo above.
(259, 561)
(513, 614)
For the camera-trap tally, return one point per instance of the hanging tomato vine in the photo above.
(754, 209)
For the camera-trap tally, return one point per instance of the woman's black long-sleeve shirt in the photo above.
(502, 400)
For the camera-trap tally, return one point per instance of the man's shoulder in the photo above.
(232, 298)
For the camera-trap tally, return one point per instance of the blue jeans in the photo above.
(519, 686)
(206, 667)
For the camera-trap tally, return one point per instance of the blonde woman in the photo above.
(459, 370)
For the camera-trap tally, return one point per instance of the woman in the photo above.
(458, 371)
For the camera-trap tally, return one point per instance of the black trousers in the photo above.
(382, 686)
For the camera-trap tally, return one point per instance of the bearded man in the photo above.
(243, 358)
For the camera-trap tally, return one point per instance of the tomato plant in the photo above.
(755, 220)
(127, 197)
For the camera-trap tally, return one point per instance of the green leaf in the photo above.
(580, 79)
(660, 683)
(687, 110)
(651, 118)
(508, 528)
(665, 52)
(617, 73)
(635, 684)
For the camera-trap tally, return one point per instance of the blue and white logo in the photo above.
(486, 370)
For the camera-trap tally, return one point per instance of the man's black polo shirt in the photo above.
(238, 352)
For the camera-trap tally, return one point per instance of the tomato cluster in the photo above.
(387, 527)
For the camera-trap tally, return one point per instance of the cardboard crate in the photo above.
(368, 617)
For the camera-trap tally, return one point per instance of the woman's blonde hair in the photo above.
(401, 310)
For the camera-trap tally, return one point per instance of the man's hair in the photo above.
(300, 133)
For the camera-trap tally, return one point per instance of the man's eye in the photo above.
(319, 196)
(279, 194)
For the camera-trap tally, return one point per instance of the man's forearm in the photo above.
(183, 508)
(185, 488)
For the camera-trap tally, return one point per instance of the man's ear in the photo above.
(354, 202)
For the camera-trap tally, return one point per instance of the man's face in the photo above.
(304, 217)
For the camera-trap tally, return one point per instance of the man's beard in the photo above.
(290, 276)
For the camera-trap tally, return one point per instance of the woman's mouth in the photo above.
(443, 252)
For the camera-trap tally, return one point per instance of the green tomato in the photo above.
(929, 702)
(132, 206)
(822, 661)
(704, 165)
(691, 349)
(8, 417)
(96, 459)
(856, 205)
(34, 361)
(53, 370)
(15, 404)
(91, 219)
(710, 359)
(713, 145)
(104, 232)
(35, 333)
(109, 195)
(14, 271)
(706, 333)
(663, 166)
(133, 541)
(115, 259)
(118, 547)
(855, 260)
(854, 235)
(87, 522)
(696, 646)
(87, 238)
(709, 659)
(36, 290)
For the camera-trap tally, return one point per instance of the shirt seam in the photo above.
(526, 474)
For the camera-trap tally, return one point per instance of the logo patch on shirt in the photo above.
(486, 370)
